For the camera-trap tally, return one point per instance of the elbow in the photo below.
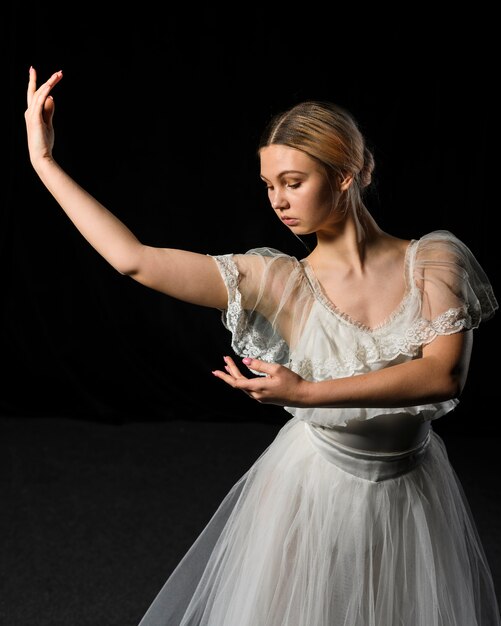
(457, 378)
(446, 365)
(453, 388)
(123, 269)
(126, 271)
(127, 265)
(449, 386)
(128, 260)
(459, 382)
(134, 262)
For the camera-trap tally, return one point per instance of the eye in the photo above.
(293, 185)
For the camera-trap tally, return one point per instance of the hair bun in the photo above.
(365, 174)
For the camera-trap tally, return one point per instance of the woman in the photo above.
(353, 515)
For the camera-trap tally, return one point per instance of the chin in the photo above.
(297, 230)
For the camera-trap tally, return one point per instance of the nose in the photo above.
(278, 200)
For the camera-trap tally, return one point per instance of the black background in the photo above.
(158, 115)
(116, 442)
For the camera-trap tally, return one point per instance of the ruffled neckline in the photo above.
(322, 297)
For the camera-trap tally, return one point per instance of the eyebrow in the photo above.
(286, 172)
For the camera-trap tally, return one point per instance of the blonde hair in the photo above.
(328, 133)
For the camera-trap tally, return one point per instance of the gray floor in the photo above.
(96, 516)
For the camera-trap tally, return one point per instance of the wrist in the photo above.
(41, 163)
(306, 394)
(45, 167)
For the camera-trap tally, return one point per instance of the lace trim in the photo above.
(365, 353)
(252, 334)
(345, 317)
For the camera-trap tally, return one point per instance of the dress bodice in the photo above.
(278, 312)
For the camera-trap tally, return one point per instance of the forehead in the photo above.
(277, 158)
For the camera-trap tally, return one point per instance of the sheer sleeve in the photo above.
(456, 293)
(261, 285)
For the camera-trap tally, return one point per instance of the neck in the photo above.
(348, 241)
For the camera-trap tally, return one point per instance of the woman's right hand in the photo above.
(38, 117)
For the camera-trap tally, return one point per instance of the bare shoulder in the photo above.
(397, 244)
(391, 249)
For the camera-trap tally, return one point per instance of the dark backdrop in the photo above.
(158, 115)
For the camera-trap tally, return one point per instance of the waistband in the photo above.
(370, 465)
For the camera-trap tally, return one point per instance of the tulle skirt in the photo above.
(319, 534)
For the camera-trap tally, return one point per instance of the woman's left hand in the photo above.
(280, 385)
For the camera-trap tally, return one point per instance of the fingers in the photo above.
(233, 377)
(32, 84)
(260, 366)
(44, 90)
(231, 368)
(232, 372)
(255, 365)
(48, 110)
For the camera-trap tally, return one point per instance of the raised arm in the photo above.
(184, 275)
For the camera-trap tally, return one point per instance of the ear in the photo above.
(345, 182)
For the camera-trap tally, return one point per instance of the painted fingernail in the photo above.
(247, 361)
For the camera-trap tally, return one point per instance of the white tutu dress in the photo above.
(318, 533)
